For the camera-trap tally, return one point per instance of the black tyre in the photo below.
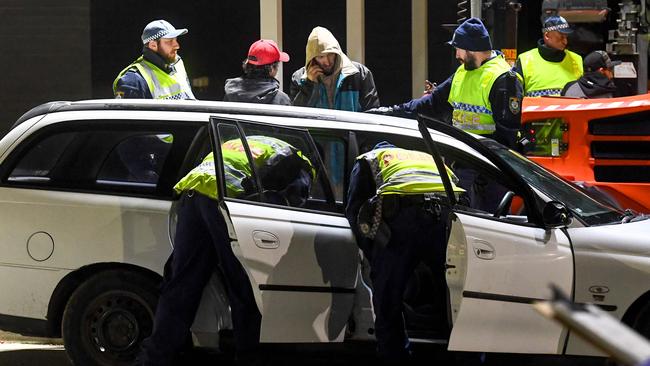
(107, 318)
(641, 323)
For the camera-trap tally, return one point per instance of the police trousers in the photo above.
(201, 245)
(417, 234)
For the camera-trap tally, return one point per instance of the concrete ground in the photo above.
(16, 350)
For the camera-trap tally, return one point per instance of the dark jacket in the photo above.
(255, 90)
(505, 98)
(133, 85)
(355, 90)
(591, 85)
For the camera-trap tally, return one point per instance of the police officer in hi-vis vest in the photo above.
(202, 243)
(394, 211)
(483, 96)
(549, 67)
(159, 73)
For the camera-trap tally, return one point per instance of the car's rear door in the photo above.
(498, 264)
(301, 258)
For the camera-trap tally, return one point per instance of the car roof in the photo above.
(217, 108)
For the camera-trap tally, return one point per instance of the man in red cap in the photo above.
(258, 84)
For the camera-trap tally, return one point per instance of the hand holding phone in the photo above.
(314, 71)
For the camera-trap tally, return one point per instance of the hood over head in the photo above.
(320, 41)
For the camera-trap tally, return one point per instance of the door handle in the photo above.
(483, 250)
(265, 239)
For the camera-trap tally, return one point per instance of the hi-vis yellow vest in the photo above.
(543, 77)
(470, 96)
(203, 179)
(161, 84)
(404, 172)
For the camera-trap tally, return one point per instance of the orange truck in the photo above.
(601, 144)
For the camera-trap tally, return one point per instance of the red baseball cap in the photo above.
(264, 52)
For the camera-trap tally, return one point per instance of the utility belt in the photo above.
(373, 214)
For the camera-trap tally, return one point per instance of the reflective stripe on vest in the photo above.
(265, 152)
(542, 78)
(161, 84)
(470, 96)
(403, 172)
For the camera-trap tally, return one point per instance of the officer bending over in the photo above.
(202, 243)
(394, 211)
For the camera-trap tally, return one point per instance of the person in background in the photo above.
(159, 73)
(483, 96)
(258, 84)
(549, 67)
(597, 81)
(330, 79)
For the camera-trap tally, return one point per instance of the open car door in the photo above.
(498, 264)
(298, 249)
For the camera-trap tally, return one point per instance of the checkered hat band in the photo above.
(545, 92)
(556, 27)
(160, 33)
(471, 108)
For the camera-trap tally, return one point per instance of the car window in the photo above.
(103, 157)
(486, 192)
(484, 187)
(137, 160)
(332, 150)
(293, 177)
(37, 163)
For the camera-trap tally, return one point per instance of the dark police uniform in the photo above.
(397, 221)
(202, 244)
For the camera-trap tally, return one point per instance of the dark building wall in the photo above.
(388, 49)
(45, 55)
(299, 17)
(219, 34)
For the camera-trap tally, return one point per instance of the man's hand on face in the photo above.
(314, 71)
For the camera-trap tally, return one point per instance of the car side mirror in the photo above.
(556, 214)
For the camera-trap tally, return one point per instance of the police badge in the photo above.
(515, 105)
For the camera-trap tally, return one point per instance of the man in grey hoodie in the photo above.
(258, 84)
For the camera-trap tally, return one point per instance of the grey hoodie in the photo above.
(252, 90)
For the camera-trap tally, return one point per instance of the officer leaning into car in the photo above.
(202, 244)
(395, 213)
(159, 73)
(483, 96)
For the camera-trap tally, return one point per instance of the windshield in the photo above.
(584, 206)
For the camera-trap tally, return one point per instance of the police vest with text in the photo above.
(161, 84)
(544, 78)
(236, 166)
(405, 172)
(470, 96)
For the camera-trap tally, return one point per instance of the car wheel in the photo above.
(641, 322)
(107, 318)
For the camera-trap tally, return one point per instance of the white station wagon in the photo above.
(86, 191)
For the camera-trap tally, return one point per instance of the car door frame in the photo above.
(535, 221)
(339, 297)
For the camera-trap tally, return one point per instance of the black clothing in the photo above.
(591, 85)
(201, 246)
(506, 119)
(415, 235)
(255, 90)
